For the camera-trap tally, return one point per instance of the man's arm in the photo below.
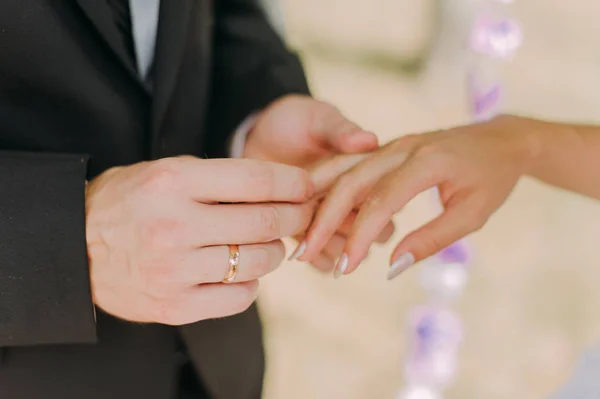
(251, 68)
(44, 279)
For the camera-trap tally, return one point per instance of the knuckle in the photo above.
(378, 203)
(439, 162)
(161, 234)
(161, 175)
(268, 222)
(158, 278)
(431, 244)
(375, 201)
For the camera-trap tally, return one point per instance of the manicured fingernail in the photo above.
(299, 251)
(401, 264)
(341, 267)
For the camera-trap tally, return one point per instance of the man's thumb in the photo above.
(346, 137)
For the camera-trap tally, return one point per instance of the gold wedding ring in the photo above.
(234, 261)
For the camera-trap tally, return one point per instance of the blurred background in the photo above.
(532, 304)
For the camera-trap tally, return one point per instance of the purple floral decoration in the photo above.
(496, 37)
(455, 253)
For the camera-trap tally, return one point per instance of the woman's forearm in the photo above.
(566, 156)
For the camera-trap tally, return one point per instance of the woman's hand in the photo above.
(475, 168)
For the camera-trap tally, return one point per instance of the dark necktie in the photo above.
(122, 15)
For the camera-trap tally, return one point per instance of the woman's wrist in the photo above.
(533, 133)
(525, 140)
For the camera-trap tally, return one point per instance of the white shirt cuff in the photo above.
(238, 142)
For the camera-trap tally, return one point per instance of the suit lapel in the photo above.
(100, 15)
(170, 48)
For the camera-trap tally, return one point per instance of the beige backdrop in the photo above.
(532, 304)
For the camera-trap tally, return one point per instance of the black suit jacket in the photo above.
(69, 94)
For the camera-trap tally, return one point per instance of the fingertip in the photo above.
(352, 266)
(400, 249)
(401, 264)
(354, 253)
(356, 257)
(360, 141)
(315, 241)
(353, 140)
(372, 136)
(410, 245)
(310, 251)
(347, 264)
(436, 235)
(299, 251)
(341, 267)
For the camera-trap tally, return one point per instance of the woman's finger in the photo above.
(322, 262)
(382, 238)
(349, 190)
(323, 174)
(390, 195)
(325, 261)
(461, 217)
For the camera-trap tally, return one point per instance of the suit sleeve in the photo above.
(252, 67)
(44, 280)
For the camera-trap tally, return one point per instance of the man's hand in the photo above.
(299, 130)
(158, 231)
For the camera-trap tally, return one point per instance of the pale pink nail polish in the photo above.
(299, 251)
(341, 267)
(400, 265)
